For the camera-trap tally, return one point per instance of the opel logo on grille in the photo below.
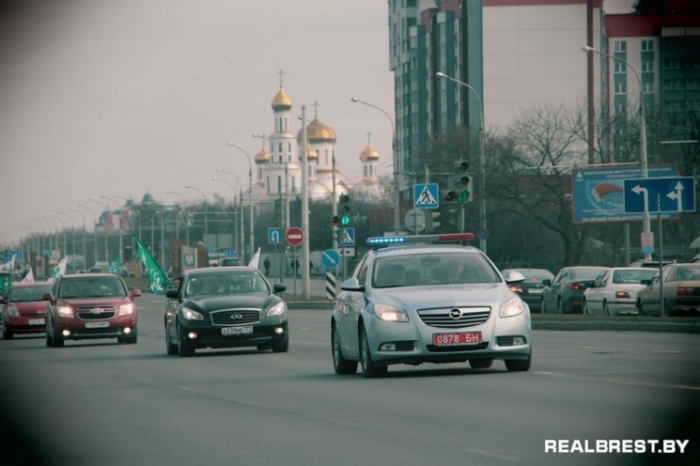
(236, 316)
(455, 313)
(96, 310)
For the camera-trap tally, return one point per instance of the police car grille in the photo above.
(447, 318)
(96, 312)
(235, 317)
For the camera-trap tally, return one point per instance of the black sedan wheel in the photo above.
(341, 365)
(183, 349)
(369, 368)
(170, 347)
(281, 346)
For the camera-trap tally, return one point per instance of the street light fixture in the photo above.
(239, 228)
(646, 220)
(94, 227)
(206, 227)
(106, 209)
(187, 226)
(482, 161)
(395, 161)
(250, 197)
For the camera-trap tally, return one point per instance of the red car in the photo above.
(89, 306)
(24, 310)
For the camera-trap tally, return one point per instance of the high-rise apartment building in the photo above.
(513, 55)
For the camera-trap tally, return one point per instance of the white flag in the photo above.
(29, 278)
(59, 270)
(255, 260)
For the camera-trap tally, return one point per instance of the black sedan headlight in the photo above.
(191, 314)
(277, 310)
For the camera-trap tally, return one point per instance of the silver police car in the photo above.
(416, 303)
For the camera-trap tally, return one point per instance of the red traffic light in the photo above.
(450, 197)
(335, 221)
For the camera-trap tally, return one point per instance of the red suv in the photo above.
(88, 306)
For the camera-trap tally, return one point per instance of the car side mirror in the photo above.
(547, 282)
(3, 300)
(47, 297)
(513, 276)
(136, 292)
(352, 284)
(171, 293)
(279, 287)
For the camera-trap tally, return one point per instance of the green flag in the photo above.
(116, 265)
(157, 279)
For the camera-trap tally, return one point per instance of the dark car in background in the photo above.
(89, 306)
(681, 292)
(24, 310)
(530, 290)
(564, 294)
(225, 307)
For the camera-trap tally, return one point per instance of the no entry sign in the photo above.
(294, 236)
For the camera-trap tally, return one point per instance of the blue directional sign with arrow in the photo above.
(330, 258)
(274, 235)
(668, 194)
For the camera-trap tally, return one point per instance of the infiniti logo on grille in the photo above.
(455, 313)
(236, 316)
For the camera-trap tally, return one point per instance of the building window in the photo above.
(619, 67)
(647, 46)
(620, 88)
(620, 46)
(647, 67)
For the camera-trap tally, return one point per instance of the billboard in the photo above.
(598, 192)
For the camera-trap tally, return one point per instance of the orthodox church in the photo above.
(279, 162)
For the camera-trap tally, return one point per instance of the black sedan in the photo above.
(225, 307)
(530, 290)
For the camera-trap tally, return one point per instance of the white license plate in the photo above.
(535, 291)
(37, 322)
(237, 330)
(96, 324)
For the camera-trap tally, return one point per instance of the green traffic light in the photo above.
(463, 196)
(345, 220)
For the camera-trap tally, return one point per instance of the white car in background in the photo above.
(614, 291)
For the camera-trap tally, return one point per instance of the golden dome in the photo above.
(311, 154)
(317, 132)
(263, 156)
(369, 154)
(281, 101)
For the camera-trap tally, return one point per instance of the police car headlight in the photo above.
(512, 307)
(390, 313)
(276, 310)
(189, 314)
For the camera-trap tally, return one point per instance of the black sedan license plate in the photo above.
(247, 330)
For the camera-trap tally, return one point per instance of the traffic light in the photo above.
(344, 209)
(459, 188)
(434, 220)
(335, 220)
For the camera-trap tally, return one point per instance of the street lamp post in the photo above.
(395, 161)
(206, 227)
(482, 162)
(84, 231)
(646, 220)
(177, 223)
(94, 227)
(238, 229)
(72, 229)
(250, 198)
(106, 209)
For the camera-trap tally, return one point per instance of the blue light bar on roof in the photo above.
(379, 241)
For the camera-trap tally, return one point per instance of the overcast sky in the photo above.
(123, 97)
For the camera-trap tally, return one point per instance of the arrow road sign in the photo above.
(668, 194)
(274, 235)
(330, 258)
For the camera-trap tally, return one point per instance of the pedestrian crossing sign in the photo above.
(425, 196)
